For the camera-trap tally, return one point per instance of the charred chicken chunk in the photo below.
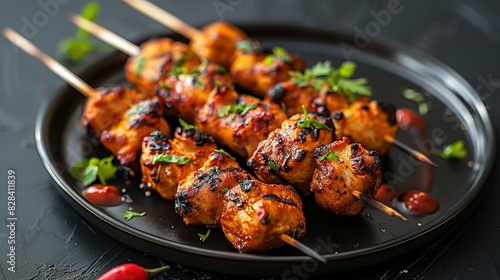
(218, 42)
(156, 61)
(124, 139)
(164, 163)
(286, 156)
(184, 94)
(239, 122)
(106, 108)
(257, 70)
(255, 215)
(367, 122)
(199, 198)
(340, 168)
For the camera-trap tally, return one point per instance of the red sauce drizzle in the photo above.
(419, 202)
(101, 195)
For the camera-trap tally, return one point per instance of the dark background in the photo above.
(55, 243)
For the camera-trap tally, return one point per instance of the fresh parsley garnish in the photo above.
(88, 170)
(274, 167)
(306, 122)
(338, 80)
(224, 152)
(186, 126)
(330, 155)
(295, 233)
(240, 109)
(454, 150)
(139, 66)
(245, 45)
(204, 237)
(268, 218)
(163, 158)
(278, 53)
(135, 110)
(220, 69)
(129, 215)
(224, 190)
(417, 97)
(76, 47)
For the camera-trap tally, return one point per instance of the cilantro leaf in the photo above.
(136, 109)
(139, 66)
(89, 12)
(186, 126)
(240, 109)
(163, 158)
(204, 237)
(417, 97)
(129, 215)
(88, 170)
(306, 122)
(224, 152)
(273, 165)
(455, 150)
(330, 155)
(245, 46)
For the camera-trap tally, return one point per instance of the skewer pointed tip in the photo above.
(416, 154)
(303, 248)
(378, 205)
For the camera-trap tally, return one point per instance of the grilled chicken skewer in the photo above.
(109, 114)
(209, 40)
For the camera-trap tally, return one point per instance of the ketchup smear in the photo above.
(102, 195)
(419, 202)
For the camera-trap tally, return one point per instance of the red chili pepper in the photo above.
(130, 271)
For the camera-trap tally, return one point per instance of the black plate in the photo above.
(348, 243)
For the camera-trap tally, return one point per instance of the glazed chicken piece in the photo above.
(189, 91)
(124, 139)
(164, 163)
(218, 42)
(255, 215)
(239, 122)
(291, 97)
(286, 156)
(158, 58)
(340, 168)
(367, 122)
(106, 108)
(199, 198)
(257, 70)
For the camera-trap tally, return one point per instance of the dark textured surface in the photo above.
(55, 243)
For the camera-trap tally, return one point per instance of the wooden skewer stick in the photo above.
(106, 35)
(52, 64)
(418, 155)
(378, 205)
(164, 18)
(303, 248)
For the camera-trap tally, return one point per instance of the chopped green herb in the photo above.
(338, 80)
(330, 155)
(204, 237)
(455, 150)
(76, 47)
(129, 215)
(241, 109)
(163, 158)
(87, 171)
(417, 97)
(268, 60)
(220, 69)
(224, 152)
(306, 122)
(245, 45)
(224, 190)
(295, 233)
(281, 54)
(139, 66)
(164, 85)
(274, 167)
(136, 109)
(185, 125)
(251, 207)
(268, 218)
